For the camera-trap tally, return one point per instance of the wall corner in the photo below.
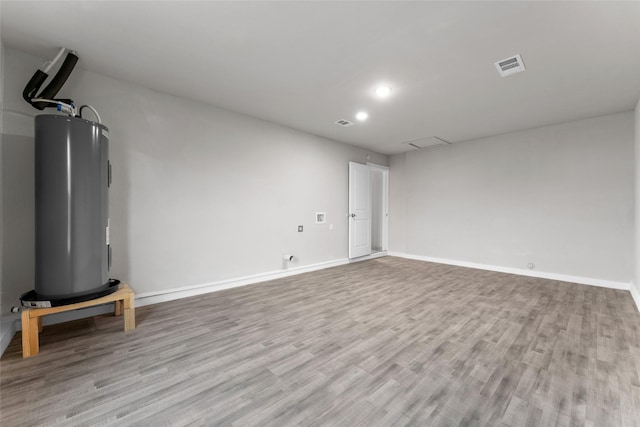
(635, 284)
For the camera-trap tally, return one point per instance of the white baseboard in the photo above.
(7, 330)
(521, 272)
(635, 294)
(205, 288)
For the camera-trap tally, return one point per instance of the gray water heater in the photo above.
(72, 176)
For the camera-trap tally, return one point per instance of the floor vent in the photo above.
(510, 66)
(423, 143)
(344, 123)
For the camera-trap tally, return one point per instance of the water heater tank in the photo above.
(72, 212)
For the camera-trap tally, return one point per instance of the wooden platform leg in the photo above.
(30, 334)
(117, 307)
(129, 312)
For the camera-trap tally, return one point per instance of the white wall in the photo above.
(397, 203)
(560, 197)
(200, 194)
(636, 290)
(1, 175)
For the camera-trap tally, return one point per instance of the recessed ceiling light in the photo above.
(383, 91)
(362, 115)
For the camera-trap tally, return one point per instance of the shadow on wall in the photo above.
(18, 218)
(119, 202)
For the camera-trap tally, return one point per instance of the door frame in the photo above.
(385, 203)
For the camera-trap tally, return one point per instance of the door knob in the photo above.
(353, 215)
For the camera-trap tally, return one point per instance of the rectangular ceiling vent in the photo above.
(432, 141)
(510, 66)
(344, 123)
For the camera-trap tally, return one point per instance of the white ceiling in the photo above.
(308, 64)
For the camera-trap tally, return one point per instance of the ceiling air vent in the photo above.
(344, 123)
(510, 66)
(422, 143)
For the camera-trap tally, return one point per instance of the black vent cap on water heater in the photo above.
(31, 89)
(60, 78)
(52, 89)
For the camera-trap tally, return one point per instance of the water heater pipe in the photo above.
(47, 65)
(63, 107)
(92, 109)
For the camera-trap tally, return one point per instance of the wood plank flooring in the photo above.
(385, 342)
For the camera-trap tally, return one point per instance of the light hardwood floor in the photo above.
(382, 342)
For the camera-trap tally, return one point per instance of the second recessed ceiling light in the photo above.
(383, 91)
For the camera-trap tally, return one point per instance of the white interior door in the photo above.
(359, 210)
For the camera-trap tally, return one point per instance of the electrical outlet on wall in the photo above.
(300, 228)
